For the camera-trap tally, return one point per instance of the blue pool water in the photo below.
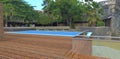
(45, 32)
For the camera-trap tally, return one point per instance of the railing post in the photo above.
(1, 21)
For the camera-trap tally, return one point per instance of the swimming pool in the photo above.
(47, 32)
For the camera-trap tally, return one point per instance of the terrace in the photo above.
(19, 46)
(29, 46)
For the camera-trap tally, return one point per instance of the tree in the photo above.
(71, 10)
(1, 22)
(45, 19)
(18, 10)
(63, 9)
(93, 12)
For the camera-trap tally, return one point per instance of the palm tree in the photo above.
(93, 12)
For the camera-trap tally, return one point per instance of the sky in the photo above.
(37, 3)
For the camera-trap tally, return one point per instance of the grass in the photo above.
(114, 45)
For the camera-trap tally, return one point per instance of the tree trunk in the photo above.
(1, 22)
(6, 23)
(71, 23)
(67, 21)
(115, 22)
(92, 24)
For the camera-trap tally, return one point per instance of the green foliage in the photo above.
(93, 12)
(100, 23)
(63, 9)
(45, 19)
(72, 10)
(56, 11)
(18, 10)
(88, 0)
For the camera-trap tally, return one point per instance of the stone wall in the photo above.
(36, 28)
(18, 28)
(97, 31)
(1, 22)
(115, 23)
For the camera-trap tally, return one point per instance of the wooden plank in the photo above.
(21, 46)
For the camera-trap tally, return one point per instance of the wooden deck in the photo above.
(14, 46)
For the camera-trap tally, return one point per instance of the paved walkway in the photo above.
(107, 52)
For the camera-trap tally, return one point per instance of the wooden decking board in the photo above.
(15, 46)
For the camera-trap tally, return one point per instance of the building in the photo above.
(109, 9)
(115, 22)
(109, 5)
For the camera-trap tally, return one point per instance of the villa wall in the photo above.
(18, 28)
(37, 28)
(99, 31)
(115, 23)
(1, 22)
